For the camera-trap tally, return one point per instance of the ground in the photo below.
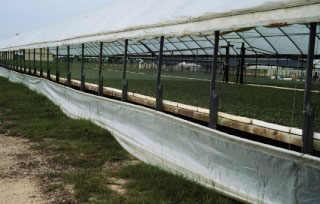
(19, 168)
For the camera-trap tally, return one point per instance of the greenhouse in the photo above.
(203, 88)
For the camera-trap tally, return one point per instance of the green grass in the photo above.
(82, 148)
(283, 107)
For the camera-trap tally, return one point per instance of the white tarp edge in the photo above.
(242, 169)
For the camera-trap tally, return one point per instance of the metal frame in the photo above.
(124, 80)
(308, 111)
(82, 88)
(159, 88)
(213, 115)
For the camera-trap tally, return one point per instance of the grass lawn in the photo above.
(87, 148)
(283, 107)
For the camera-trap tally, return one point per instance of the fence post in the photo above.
(100, 91)
(29, 62)
(227, 63)
(159, 89)
(24, 61)
(124, 80)
(41, 68)
(255, 72)
(68, 67)
(20, 64)
(82, 87)
(308, 111)
(14, 60)
(213, 116)
(48, 64)
(277, 72)
(243, 52)
(34, 62)
(57, 65)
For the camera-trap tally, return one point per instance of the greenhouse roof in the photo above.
(266, 27)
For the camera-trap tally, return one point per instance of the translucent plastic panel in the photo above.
(191, 45)
(131, 50)
(142, 48)
(170, 46)
(107, 51)
(174, 40)
(180, 46)
(187, 53)
(205, 44)
(283, 45)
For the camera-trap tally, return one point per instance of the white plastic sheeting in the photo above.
(242, 169)
(147, 19)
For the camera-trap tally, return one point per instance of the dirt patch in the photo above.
(20, 167)
(116, 165)
(117, 184)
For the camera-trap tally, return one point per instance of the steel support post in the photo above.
(213, 116)
(57, 65)
(82, 88)
(4, 58)
(243, 52)
(255, 72)
(100, 77)
(20, 61)
(34, 62)
(277, 72)
(41, 68)
(227, 63)
(29, 61)
(159, 89)
(13, 60)
(308, 111)
(24, 61)
(68, 67)
(48, 63)
(124, 80)
(7, 57)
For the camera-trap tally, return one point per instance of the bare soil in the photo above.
(20, 167)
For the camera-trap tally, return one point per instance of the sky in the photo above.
(18, 16)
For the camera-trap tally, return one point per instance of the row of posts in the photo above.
(308, 111)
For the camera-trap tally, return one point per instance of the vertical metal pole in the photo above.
(15, 60)
(226, 71)
(20, 63)
(213, 116)
(29, 61)
(82, 88)
(34, 62)
(243, 51)
(255, 72)
(159, 89)
(277, 73)
(57, 65)
(6, 60)
(48, 63)
(100, 92)
(41, 69)
(68, 67)
(308, 111)
(124, 80)
(24, 61)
